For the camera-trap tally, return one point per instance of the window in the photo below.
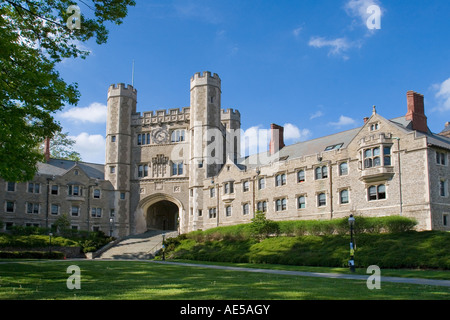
(374, 127)
(212, 192)
(301, 202)
(373, 156)
(178, 135)
(113, 138)
(445, 219)
(387, 156)
(262, 206)
(11, 186)
(96, 193)
(245, 208)
(200, 212)
(441, 158)
(343, 196)
(33, 208)
(334, 147)
(122, 196)
(34, 187)
(212, 213)
(245, 186)
(261, 183)
(280, 179)
(343, 169)
(443, 188)
(55, 209)
(143, 139)
(55, 189)
(112, 169)
(377, 192)
(280, 204)
(228, 211)
(177, 168)
(321, 199)
(96, 212)
(321, 172)
(301, 176)
(75, 211)
(10, 206)
(142, 170)
(75, 190)
(112, 213)
(229, 187)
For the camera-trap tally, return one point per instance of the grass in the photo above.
(131, 280)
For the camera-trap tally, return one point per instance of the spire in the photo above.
(374, 110)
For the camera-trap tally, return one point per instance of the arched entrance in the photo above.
(162, 215)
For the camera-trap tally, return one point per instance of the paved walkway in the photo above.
(430, 282)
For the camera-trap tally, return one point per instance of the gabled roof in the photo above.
(58, 167)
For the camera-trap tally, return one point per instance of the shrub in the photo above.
(31, 255)
(262, 228)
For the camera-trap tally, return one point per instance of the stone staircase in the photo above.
(141, 246)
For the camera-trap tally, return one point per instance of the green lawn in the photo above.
(126, 280)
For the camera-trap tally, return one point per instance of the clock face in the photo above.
(160, 135)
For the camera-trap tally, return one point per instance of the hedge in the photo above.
(31, 255)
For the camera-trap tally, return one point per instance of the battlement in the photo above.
(161, 116)
(205, 78)
(122, 90)
(230, 114)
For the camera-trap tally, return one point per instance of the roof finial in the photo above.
(374, 110)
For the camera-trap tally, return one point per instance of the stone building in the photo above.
(181, 169)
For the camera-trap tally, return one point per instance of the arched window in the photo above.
(301, 176)
(343, 169)
(343, 195)
(178, 135)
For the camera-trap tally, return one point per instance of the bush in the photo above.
(31, 255)
(262, 228)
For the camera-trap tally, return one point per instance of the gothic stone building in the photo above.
(182, 170)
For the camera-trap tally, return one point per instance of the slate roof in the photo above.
(57, 167)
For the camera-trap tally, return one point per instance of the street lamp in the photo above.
(164, 246)
(351, 262)
(50, 242)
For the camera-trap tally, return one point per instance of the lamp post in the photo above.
(351, 262)
(164, 246)
(50, 242)
(111, 226)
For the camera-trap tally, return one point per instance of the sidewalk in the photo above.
(430, 282)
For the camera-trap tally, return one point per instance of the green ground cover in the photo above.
(130, 280)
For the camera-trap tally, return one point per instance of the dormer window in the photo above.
(374, 127)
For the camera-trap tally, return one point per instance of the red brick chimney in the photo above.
(276, 138)
(47, 149)
(416, 111)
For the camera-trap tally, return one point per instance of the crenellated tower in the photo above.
(121, 104)
(206, 137)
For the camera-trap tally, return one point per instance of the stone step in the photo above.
(141, 246)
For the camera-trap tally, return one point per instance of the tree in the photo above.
(261, 227)
(61, 147)
(34, 37)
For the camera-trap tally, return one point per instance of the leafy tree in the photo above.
(261, 227)
(34, 37)
(61, 147)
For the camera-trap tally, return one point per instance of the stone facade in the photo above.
(181, 169)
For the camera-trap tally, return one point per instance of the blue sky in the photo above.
(313, 66)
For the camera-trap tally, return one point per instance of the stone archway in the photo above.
(162, 215)
(159, 211)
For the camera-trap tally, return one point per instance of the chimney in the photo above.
(365, 119)
(47, 149)
(276, 138)
(446, 131)
(416, 111)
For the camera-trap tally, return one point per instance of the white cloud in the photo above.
(296, 32)
(358, 9)
(316, 114)
(337, 46)
(292, 132)
(95, 113)
(443, 95)
(343, 121)
(91, 147)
